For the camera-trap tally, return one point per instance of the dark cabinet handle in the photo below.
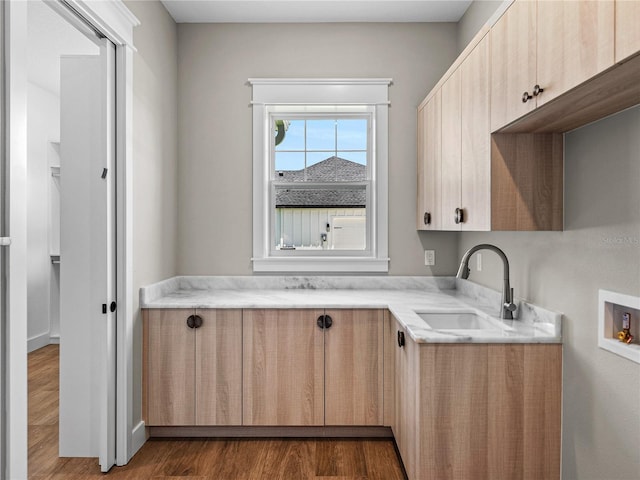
(459, 218)
(194, 321)
(324, 321)
(400, 339)
(427, 218)
(537, 90)
(526, 97)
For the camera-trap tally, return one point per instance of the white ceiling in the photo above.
(321, 11)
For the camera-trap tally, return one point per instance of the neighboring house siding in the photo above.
(305, 225)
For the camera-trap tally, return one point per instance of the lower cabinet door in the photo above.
(170, 367)
(452, 399)
(193, 367)
(218, 368)
(353, 368)
(407, 421)
(283, 368)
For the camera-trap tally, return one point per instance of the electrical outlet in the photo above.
(429, 258)
(479, 262)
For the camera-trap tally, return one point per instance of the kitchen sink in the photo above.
(459, 321)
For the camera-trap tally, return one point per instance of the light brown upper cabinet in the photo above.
(513, 63)
(475, 160)
(451, 153)
(193, 369)
(454, 149)
(540, 50)
(429, 211)
(627, 41)
(575, 42)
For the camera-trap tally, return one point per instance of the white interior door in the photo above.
(87, 256)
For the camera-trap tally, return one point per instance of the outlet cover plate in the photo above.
(429, 258)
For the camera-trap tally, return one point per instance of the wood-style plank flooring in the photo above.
(199, 459)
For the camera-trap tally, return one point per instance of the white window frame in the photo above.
(338, 96)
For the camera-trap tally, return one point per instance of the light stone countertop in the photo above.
(403, 296)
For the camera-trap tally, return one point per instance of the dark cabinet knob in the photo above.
(427, 218)
(537, 90)
(324, 321)
(459, 217)
(526, 97)
(400, 339)
(194, 321)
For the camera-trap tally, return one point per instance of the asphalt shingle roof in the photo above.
(329, 170)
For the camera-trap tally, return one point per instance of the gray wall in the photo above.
(215, 127)
(154, 160)
(473, 19)
(562, 271)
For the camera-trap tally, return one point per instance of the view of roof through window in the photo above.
(310, 153)
(303, 143)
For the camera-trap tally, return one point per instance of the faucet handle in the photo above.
(509, 305)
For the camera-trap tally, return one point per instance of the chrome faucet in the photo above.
(507, 306)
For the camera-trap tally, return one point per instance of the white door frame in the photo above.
(116, 22)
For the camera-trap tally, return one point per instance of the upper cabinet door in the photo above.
(575, 42)
(513, 63)
(627, 41)
(476, 139)
(429, 164)
(451, 152)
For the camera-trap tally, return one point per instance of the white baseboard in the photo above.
(39, 341)
(138, 437)
(54, 339)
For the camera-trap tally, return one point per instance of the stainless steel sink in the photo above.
(458, 321)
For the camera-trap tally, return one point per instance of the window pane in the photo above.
(321, 135)
(289, 161)
(352, 134)
(357, 157)
(320, 219)
(292, 136)
(298, 197)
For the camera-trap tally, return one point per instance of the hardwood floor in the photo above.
(199, 459)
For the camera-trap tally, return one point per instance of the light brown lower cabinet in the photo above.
(299, 372)
(353, 362)
(192, 369)
(481, 411)
(283, 368)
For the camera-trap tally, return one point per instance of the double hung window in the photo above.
(320, 181)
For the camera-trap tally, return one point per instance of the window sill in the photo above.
(321, 264)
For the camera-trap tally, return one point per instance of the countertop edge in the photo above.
(402, 296)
